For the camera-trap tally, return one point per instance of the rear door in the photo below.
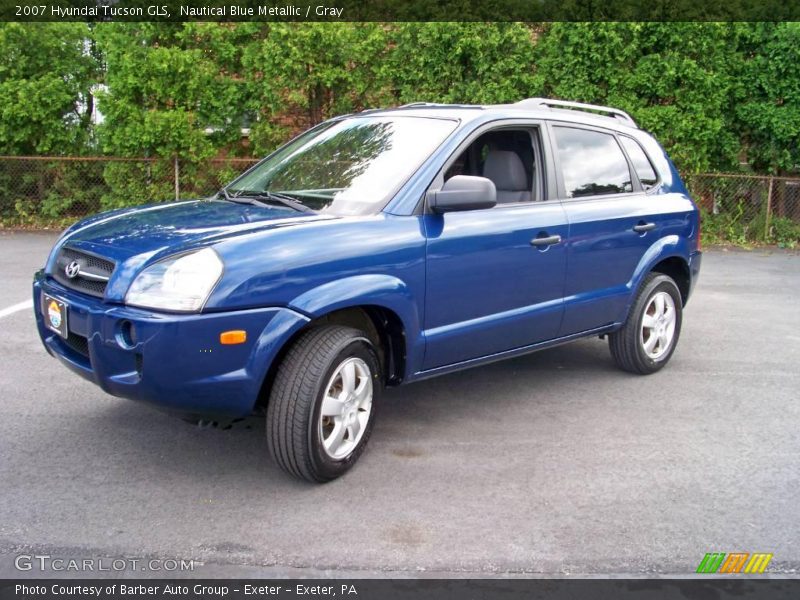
(612, 220)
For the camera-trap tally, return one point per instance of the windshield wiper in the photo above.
(265, 198)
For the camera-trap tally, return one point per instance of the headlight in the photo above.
(180, 283)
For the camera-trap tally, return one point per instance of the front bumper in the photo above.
(174, 361)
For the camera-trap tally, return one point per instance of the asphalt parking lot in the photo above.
(553, 463)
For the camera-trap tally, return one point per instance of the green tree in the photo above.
(167, 84)
(173, 91)
(301, 74)
(479, 63)
(47, 71)
(679, 80)
(769, 115)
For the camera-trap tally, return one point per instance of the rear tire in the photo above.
(648, 338)
(323, 401)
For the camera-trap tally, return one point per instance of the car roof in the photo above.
(531, 108)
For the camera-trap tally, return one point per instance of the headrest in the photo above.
(506, 170)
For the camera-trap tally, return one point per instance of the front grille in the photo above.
(92, 272)
(78, 344)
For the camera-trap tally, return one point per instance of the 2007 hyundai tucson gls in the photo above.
(378, 249)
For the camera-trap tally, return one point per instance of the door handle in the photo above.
(643, 227)
(546, 241)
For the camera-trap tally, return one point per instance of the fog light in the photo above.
(126, 335)
(236, 336)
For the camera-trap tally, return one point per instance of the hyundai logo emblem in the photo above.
(73, 269)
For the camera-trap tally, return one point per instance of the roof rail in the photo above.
(438, 105)
(410, 105)
(547, 102)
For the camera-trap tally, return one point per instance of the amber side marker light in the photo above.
(236, 336)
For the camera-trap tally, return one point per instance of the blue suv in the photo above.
(373, 250)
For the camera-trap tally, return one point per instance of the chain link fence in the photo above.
(748, 209)
(55, 191)
(37, 191)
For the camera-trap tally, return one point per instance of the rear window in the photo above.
(641, 164)
(592, 163)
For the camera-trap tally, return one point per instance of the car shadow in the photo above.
(143, 443)
(543, 369)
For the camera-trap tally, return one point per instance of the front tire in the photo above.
(322, 405)
(648, 338)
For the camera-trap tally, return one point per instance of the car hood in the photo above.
(163, 229)
(134, 238)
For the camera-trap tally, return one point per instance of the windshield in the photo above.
(348, 167)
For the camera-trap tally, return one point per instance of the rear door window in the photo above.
(592, 163)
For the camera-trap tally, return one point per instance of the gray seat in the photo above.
(506, 170)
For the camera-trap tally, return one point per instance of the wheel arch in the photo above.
(668, 255)
(381, 306)
(383, 327)
(677, 269)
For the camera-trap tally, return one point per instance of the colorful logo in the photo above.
(735, 562)
(54, 314)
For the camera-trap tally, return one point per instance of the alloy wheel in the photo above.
(346, 408)
(658, 325)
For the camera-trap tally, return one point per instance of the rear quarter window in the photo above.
(641, 163)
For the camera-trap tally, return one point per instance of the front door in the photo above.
(489, 288)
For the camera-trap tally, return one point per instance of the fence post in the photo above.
(769, 208)
(177, 178)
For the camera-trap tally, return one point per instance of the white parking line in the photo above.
(16, 308)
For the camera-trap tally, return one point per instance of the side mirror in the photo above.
(463, 192)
